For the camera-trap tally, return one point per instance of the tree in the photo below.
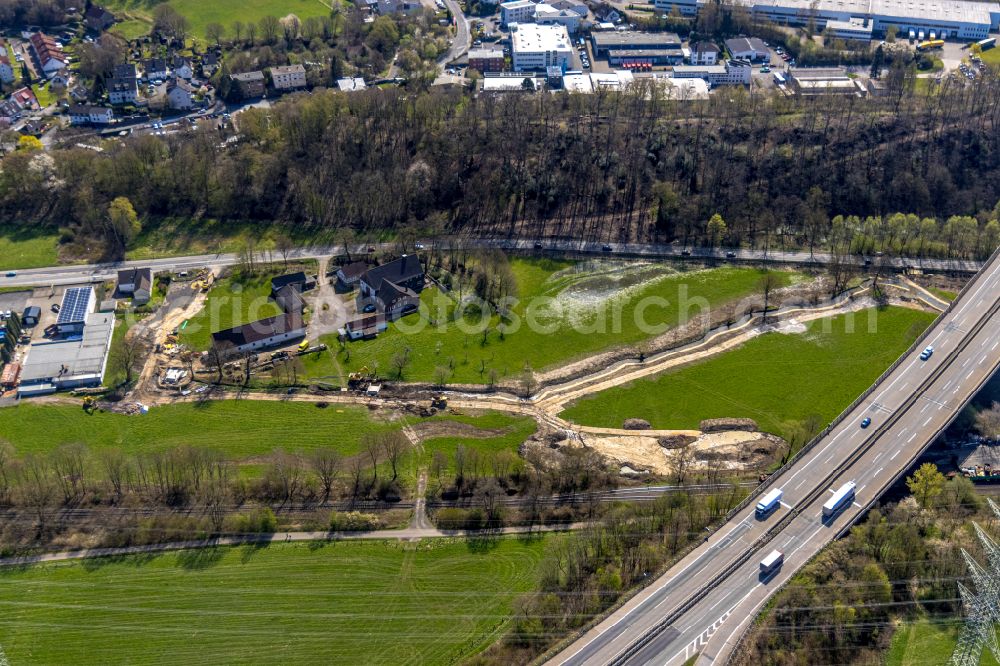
(394, 443)
(767, 283)
(384, 35)
(988, 421)
(878, 61)
(269, 27)
(132, 349)
(399, 361)
(926, 484)
(237, 29)
(218, 355)
(29, 143)
(326, 461)
(123, 223)
(214, 33)
(716, 230)
(283, 243)
(527, 382)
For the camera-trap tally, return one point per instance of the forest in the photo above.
(629, 166)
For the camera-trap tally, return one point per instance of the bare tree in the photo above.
(284, 245)
(214, 33)
(399, 361)
(117, 470)
(394, 444)
(325, 462)
(767, 283)
(133, 348)
(218, 355)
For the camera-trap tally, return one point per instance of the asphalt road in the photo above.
(460, 44)
(704, 603)
(72, 274)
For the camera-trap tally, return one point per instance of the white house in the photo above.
(81, 114)
(546, 14)
(517, 11)
(289, 77)
(704, 53)
(155, 68)
(48, 53)
(137, 283)
(538, 47)
(263, 333)
(122, 87)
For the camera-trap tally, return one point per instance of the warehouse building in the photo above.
(609, 44)
(78, 362)
(812, 81)
(949, 19)
(729, 73)
(537, 47)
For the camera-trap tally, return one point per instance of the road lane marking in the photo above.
(928, 420)
(878, 470)
(914, 435)
(895, 454)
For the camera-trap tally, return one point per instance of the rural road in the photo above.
(703, 604)
(407, 534)
(77, 273)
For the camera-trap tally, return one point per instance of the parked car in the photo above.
(55, 307)
(686, 253)
(538, 245)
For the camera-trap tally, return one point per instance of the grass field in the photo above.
(592, 307)
(348, 603)
(944, 294)
(242, 429)
(775, 378)
(24, 250)
(928, 643)
(199, 13)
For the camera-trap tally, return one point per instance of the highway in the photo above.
(70, 274)
(703, 604)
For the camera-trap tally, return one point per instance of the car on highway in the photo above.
(538, 245)
(11, 274)
(685, 253)
(926, 353)
(730, 255)
(865, 422)
(605, 248)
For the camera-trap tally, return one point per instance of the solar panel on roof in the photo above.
(75, 305)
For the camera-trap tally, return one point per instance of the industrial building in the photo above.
(947, 19)
(811, 81)
(537, 47)
(729, 73)
(63, 364)
(517, 11)
(627, 47)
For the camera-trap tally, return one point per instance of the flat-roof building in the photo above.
(517, 11)
(622, 40)
(537, 47)
(59, 365)
(729, 73)
(812, 81)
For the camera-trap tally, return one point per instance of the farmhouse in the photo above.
(367, 326)
(261, 334)
(350, 274)
(393, 288)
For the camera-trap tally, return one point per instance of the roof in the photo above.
(259, 330)
(23, 96)
(348, 84)
(290, 299)
(485, 54)
(181, 61)
(516, 4)
(180, 83)
(249, 76)
(63, 359)
(154, 65)
(533, 38)
(32, 311)
(124, 71)
(629, 38)
(142, 278)
(960, 11)
(86, 110)
(705, 47)
(568, 4)
(76, 304)
(283, 280)
(819, 74)
(741, 44)
(288, 69)
(389, 292)
(402, 269)
(366, 322)
(354, 270)
(46, 48)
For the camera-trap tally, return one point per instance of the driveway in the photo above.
(330, 310)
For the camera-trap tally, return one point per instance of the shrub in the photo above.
(354, 521)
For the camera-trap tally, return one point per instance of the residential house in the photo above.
(182, 68)
(398, 6)
(155, 68)
(82, 114)
(349, 275)
(289, 77)
(25, 99)
(6, 70)
(137, 283)
(9, 113)
(351, 85)
(209, 63)
(79, 93)
(122, 86)
(367, 326)
(747, 48)
(98, 18)
(286, 290)
(48, 54)
(393, 288)
(268, 332)
(61, 78)
(704, 53)
(250, 84)
(486, 60)
(179, 95)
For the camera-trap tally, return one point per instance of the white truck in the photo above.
(768, 503)
(771, 563)
(841, 498)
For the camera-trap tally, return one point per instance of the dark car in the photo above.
(538, 246)
(11, 274)
(730, 255)
(865, 422)
(605, 248)
(686, 253)
(369, 308)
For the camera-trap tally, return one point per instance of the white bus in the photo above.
(769, 503)
(841, 498)
(771, 563)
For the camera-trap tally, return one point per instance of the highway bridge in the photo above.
(705, 602)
